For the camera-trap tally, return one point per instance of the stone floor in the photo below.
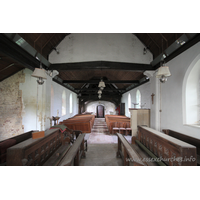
(101, 155)
(102, 146)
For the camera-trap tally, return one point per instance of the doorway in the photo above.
(100, 111)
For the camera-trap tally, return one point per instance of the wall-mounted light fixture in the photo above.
(163, 73)
(40, 74)
(52, 73)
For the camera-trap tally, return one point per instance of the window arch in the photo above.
(70, 103)
(138, 99)
(191, 86)
(64, 103)
(129, 100)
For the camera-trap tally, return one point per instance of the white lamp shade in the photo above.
(101, 84)
(99, 92)
(163, 71)
(39, 73)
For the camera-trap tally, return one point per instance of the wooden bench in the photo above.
(83, 123)
(5, 144)
(48, 150)
(76, 152)
(126, 152)
(33, 152)
(185, 138)
(169, 150)
(111, 121)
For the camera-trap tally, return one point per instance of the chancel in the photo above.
(105, 99)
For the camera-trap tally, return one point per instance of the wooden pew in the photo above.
(5, 144)
(75, 153)
(83, 123)
(185, 138)
(112, 119)
(126, 152)
(168, 149)
(35, 152)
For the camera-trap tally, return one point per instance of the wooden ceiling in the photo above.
(157, 42)
(45, 43)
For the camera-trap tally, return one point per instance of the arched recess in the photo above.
(191, 93)
(64, 107)
(138, 99)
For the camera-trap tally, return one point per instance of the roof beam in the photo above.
(59, 81)
(12, 50)
(96, 89)
(180, 50)
(93, 65)
(97, 81)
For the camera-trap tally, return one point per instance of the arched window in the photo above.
(63, 103)
(70, 103)
(129, 100)
(138, 99)
(192, 93)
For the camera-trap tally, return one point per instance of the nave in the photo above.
(102, 146)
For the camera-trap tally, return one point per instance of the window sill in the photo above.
(192, 125)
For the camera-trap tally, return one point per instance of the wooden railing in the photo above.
(35, 152)
(168, 149)
(75, 153)
(126, 152)
(185, 138)
(5, 144)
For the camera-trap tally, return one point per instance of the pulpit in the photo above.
(139, 117)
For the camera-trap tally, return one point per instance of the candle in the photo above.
(57, 112)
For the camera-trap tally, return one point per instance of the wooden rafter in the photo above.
(48, 41)
(154, 41)
(164, 38)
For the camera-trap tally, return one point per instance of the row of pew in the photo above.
(54, 148)
(118, 124)
(151, 148)
(82, 122)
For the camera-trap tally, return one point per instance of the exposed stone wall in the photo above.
(11, 106)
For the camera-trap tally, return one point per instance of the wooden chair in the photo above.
(115, 128)
(128, 129)
(122, 128)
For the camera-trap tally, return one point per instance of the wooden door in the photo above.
(100, 111)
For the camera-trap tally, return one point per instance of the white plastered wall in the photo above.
(37, 102)
(108, 106)
(170, 96)
(80, 47)
(57, 99)
(145, 90)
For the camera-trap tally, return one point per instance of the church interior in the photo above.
(99, 86)
(99, 99)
